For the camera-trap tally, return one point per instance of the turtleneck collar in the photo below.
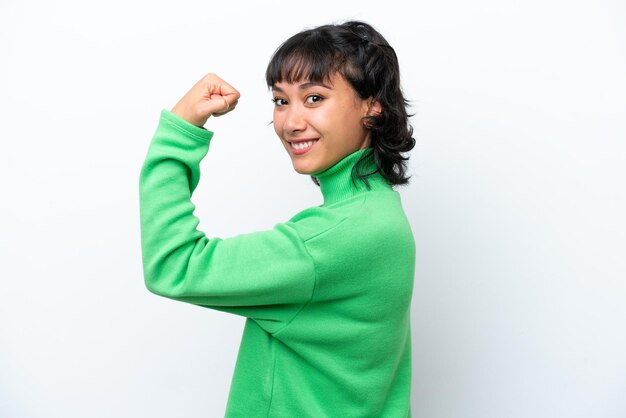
(336, 181)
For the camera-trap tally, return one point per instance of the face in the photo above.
(320, 124)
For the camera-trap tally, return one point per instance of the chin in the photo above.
(311, 166)
(302, 169)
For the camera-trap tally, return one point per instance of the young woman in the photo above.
(327, 293)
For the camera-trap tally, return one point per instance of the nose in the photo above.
(294, 120)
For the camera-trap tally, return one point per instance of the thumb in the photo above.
(214, 105)
(223, 104)
(220, 98)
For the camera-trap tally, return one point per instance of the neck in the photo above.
(337, 184)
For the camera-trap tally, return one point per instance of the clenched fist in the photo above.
(209, 96)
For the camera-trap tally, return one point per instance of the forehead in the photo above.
(334, 82)
(303, 85)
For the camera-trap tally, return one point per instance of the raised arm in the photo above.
(267, 276)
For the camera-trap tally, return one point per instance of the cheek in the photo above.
(350, 129)
(325, 121)
(344, 124)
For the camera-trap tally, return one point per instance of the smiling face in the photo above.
(320, 123)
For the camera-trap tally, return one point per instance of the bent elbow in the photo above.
(153, 285)
(163, 283)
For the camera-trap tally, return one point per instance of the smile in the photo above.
(301, 147)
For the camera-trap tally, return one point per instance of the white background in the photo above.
(517, 200)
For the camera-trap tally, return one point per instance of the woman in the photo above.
(327, 294)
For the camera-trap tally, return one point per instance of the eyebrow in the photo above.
(303, 86)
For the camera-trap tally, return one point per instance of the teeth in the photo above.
(302, 145)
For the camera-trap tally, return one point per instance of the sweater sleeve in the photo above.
(267, 276)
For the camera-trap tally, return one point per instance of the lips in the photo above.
(299, 147)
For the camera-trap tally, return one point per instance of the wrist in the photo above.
(198, 121)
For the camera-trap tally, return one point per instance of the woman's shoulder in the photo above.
(317, 220)
(377, 210)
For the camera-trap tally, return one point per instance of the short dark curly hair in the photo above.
(369, 64)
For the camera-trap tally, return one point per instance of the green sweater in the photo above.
(326, 294)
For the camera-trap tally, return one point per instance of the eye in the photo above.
(314, 99)
(278, 101)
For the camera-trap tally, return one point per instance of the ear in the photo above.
(374, 108)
